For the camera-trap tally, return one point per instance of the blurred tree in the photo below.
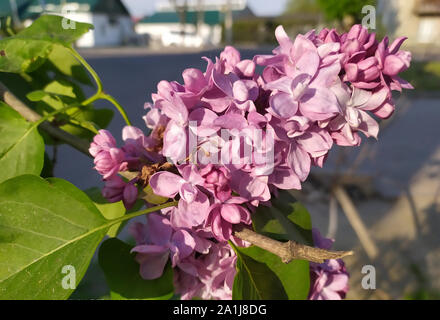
(302, 6)
(341, 10)
(347, 12)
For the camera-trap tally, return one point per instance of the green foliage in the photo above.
(286, 220)
(45, 225)
(21, 146)
(262, 31)
(27, 50)
(66, 66)
(292, 281)
(111, 210)
(334, 10)
(302, 7)
(48, 77)
(50, 28)
(338, 9)
(423, 294)
(83, 121)
(255, 280)
(424, 76)
(122, 274)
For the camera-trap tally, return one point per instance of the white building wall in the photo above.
(399, 17)
(210, 35)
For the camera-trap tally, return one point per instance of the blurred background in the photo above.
(381, 200)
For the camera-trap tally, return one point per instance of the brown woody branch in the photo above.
(288, 251)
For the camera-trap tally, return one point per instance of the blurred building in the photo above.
(419, 20)
(112, 21)
(191, 23)
(12, 8)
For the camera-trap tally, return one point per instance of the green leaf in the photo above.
(63, 63)
(294, 277)
(83, 121)
(44, 226)
(255, 280)
(21, 146)
(36, 96)
(23, 55)
(123, 278)
(287, 219)
(111, 210)
(64, 88)
(50, 28)
(115, 296)
(29, 49)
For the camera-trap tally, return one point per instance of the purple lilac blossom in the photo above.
(316, 91)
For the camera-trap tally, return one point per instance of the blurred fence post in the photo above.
(356, 222)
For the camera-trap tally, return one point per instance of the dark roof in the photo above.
(210, 17)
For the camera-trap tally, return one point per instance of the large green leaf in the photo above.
(23, 55)
(44, 226)
(52, 28)
(123, 278)
(294, 277)
(111, 210)
(108, 210)
(63, 63)
(21, 146)
(285, 220)
(255, 280)
(29, 49)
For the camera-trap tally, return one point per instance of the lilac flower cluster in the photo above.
(236, 137)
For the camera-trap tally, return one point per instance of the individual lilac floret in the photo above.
(329, 281)
(116, 189)
(223, 216)
(217, 181)
(213, 277)
(159, 244)
(193, 204)
(109, 160)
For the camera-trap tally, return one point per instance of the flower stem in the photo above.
(144, 212)
(117, 105)
(100, 89)
(89, 69)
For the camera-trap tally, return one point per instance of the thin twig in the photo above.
(288, 251)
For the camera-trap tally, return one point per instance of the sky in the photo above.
(141, 8)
